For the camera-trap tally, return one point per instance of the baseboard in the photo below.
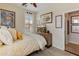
(74, 42)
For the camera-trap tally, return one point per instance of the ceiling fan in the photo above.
(26, 4)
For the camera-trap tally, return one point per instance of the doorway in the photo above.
(72, 32)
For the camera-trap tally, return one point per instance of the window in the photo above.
(75, 24)
(28, 21)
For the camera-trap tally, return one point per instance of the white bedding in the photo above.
(23, 47)
(41, 40)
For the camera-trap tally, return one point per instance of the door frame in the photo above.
(65, 28)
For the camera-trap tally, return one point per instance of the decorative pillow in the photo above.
(1, 43)
(5, 36)
(13, 33)
(19, 35)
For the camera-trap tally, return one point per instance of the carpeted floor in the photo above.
(52, 51)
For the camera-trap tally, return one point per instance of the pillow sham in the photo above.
(1, 43)
(5, 36)
(13, 33)
(4, 27)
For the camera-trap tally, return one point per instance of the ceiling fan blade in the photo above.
(24, 4)
(34, 4)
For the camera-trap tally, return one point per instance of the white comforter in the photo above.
(41, 40)
(23, 47)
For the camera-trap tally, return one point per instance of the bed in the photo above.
(30, 43)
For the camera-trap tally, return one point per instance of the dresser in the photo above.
(48, 38)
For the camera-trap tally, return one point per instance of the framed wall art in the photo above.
(58, 21)
(7, 18)
(47, 18)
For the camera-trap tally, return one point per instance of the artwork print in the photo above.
(7, 18)
(47, 18)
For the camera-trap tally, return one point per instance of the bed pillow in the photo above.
(13, 33)
(19, 35)
(4, 27)
(5, 36)
(1, 43)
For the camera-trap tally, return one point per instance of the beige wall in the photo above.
(58, 9)
(20, 16)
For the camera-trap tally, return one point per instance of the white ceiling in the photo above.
(44, 6)
(40, 6)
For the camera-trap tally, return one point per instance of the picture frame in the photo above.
(58, 21)
(75, 24)
(7, 18)
(47, 17)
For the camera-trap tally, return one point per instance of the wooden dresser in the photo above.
(48, 37)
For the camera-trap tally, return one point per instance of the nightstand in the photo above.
(48, 38)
